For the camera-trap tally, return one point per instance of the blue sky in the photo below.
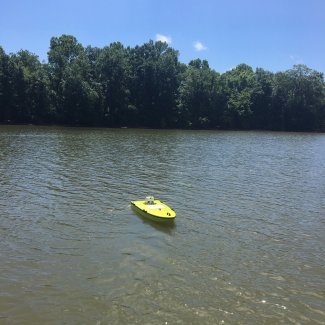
(272, 34)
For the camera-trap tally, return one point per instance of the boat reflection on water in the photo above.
(166, 226)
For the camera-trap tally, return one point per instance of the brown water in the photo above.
(247, 246)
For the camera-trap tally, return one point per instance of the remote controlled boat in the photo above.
(154, 209)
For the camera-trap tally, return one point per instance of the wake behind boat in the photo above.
(154, 209)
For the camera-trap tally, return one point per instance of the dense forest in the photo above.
(147, 86)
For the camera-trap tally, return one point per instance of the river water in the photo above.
(247, 246)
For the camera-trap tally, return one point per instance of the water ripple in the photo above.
(247, 245)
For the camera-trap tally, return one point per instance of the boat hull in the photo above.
(157, 211)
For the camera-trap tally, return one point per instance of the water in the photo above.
(247, 246)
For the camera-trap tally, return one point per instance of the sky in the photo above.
(271, 34)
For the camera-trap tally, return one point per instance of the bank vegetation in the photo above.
(147, 86)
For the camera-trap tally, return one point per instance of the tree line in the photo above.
(147, 86)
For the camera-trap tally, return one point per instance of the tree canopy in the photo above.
(147, 86)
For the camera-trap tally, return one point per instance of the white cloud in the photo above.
(296, 59)
(199, 46)
(163, 38)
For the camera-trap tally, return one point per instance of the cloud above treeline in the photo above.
(199, 46)
(163, 38)
(296, 59)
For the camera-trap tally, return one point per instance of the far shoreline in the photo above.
(77, 126)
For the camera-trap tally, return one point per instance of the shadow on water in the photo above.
(166, 226)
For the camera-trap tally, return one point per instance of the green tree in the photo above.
(298, 99)
(64, 50)
(6, 87)
(81, 101)
(76, 94)
(154, 83)
(113, 67)
(240, 84)
(199, 103)
(25, 88)
(262, 99)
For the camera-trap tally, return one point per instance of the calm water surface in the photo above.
(247, 246)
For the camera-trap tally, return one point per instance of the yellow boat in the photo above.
(154, 209)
